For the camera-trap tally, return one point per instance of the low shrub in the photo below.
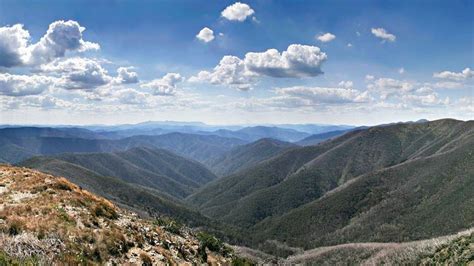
(15, 227)
(102, 209)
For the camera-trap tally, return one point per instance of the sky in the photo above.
(227, 62)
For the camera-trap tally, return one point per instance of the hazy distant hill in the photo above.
(259, 132)
(194, 146)
(367, 185)
(18, 144)
(247, 155)
(317, 138)
(153, 168)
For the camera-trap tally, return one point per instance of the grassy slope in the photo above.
(47, 220)
(158, 169)
(247, 155)
(126, 194)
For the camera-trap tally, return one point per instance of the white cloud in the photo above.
(205, 35)
(125, 75)
(369, 77)
(447, 85)
(230, 71)
(326, 37)
(297, 61)
(383, 34)
(21, 85)
(60, 37)
(44, 102)
(78, 73)
(461, 76)
(131, 96)
(237, 12)
(166, 86)
(428, 100)
(349, 45)
(346, 84)
(13, 45)
(387, 87)
(466, 104)
(401, 70)
(321, 95)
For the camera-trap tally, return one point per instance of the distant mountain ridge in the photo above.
(27, 142)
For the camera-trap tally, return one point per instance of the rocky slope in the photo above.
(48, 220)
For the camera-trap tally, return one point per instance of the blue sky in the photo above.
(389, 61)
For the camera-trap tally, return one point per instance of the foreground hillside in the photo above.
(46, 219)
(391, 183)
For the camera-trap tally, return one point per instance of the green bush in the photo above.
(169, 225)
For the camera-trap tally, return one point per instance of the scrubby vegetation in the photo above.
(48, 220)
(457, 252)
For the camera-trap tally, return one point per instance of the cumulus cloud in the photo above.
(428, 100)
(125, 75)
(383, 34)
(60, 37)
(321, 95)
(387, 86)
(297, 61)
(131, 96)
(346, 84)
(237, 12)
(78, 73)
(401, 71)
(326, 37)
(467, 73)
(44, 102)
(22, 85)
(205, 35)
(447, 85)
(13, 45)
(369, 77)
(466, 104)
(230, 71)
(166, 86)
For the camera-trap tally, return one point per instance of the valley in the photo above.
(387, 184)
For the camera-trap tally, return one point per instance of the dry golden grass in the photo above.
(83, 228)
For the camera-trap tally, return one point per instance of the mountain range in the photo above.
(390, 183)
(385, 183)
